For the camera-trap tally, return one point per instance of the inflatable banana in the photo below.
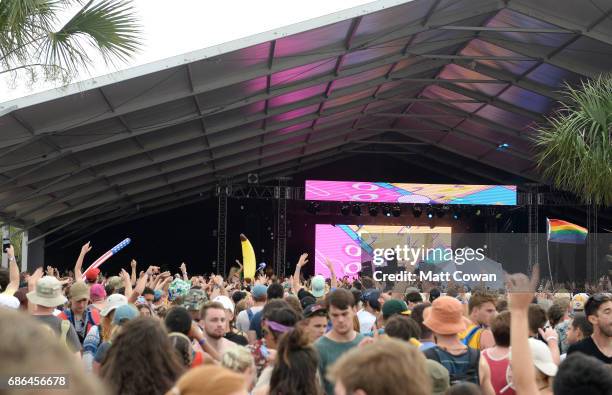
(248, 257)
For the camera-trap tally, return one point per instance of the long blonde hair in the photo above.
(237, 359)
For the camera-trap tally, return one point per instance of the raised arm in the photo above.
(32, 280)
(184, 271)
(140, 286)
(127, 284)
(79, 263)
(13, 284)
(330, 266)
(295, 284)
(133, 264)
(521, 294)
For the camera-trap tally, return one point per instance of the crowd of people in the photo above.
(152, 332)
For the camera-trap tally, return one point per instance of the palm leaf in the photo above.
(574, 149)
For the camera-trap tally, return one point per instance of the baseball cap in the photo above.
(394, 306)
(578, 301)
(48, 293)
(445, 316)
(125, 313)
(225, 301)
(307, 301)
(259, 291)
(194, 300)
(97, 292)
(302, 293)
(79, 291)
(371, 296)
(440, 378)
(542, 358)
(311, 309)
(92, 274)
(112, 302)
(317, 286)
(9, 301)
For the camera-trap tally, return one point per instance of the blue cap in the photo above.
(157, 294)
(259, 291)
(125, 313)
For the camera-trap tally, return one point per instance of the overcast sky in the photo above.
(180, 26)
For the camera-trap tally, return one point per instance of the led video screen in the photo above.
(383, 192)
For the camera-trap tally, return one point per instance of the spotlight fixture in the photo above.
(356, 209)
(373, 210)
(386, 210)
(478, 212)
(313, 207)
(396, 211)
(503, 146)
(345, 209)
(430, 213)
(440, 212)
(417, 211)
(456, 215)
(498, 215)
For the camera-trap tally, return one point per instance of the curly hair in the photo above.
(295, 371)
(143, 346)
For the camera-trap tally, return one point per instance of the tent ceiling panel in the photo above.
(461, 75)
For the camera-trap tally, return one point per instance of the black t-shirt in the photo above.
(236, 338)
(588, 347)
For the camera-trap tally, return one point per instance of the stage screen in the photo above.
(382, 192)
(348, 246)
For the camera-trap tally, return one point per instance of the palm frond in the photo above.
(574, 149)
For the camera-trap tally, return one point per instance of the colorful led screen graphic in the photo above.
(383, 192)
(347, 246)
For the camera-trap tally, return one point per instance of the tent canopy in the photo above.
(468, 78)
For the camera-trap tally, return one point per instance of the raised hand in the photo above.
(133, 264)
(183, 268)
(303, 260)
(10, 251)
(50, 271)
(521, 289)
(85, 249)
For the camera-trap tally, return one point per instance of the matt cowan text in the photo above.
(434, 277)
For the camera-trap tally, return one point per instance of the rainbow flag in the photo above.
(560, 231)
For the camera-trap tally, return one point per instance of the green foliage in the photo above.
(32, 38)
(574, 149)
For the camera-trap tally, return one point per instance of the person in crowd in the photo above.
(79, 314)
(582, 374)
(179, 320)
(579, 329)
(240, 360)
(214, 324)
(531, 360)
(598, 311)
(28, 346)
(274, 291)
(413, 298)
(315, 320)
(45, 294)
(193, 302)
(384, 367)
(296, 365)
(121, 315)
(182, 346)
(481, 310)
(404, 328)
(370, 311)
(276, 321)
(260, 296)
(494, 370)
(231, 333)
(559, 320)
(209, 380)
(149, 295)
(102, 332)
(145, 309)
(427, 339)
(97, 295)
(141, 360)
(342, 337)
(446, 321)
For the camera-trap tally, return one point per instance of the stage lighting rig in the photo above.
(386, 210)
(373, 210)
(396, 211)
(313, 207)
(345, 209)
(430, 213)
(417, 211)
(356, 209)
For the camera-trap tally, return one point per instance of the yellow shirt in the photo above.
(474, 331)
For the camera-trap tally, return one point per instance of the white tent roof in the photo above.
(463, 76)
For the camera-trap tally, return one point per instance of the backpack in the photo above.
(469, 375)
(250, 314)
(64, 328)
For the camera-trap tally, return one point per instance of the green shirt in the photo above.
(329, 352)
